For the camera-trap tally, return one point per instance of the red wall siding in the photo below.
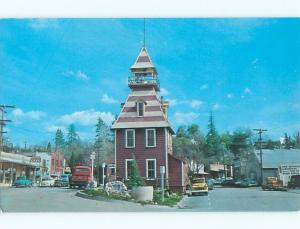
(140, 151)
(174, 172)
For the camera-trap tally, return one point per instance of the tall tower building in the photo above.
(143, 132)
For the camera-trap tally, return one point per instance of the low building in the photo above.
(217, 170)
(13, 165)
(57, 163)
(280, 163)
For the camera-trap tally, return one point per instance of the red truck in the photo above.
(81, 176)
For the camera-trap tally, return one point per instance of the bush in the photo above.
(135, 179)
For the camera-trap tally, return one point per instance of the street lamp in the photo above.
(103, 166)
(93, 156)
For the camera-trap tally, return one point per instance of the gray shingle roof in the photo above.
(275, 158)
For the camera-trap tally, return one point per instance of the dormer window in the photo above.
(140, 108)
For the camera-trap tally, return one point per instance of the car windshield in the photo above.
(199, 180)
(21, 178)
(81, 170)
(63, 176)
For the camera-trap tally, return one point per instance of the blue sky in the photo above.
(62, 71)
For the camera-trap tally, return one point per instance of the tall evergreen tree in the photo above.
(59, 140)
(73, 145)
(212, 138)
(49, 147)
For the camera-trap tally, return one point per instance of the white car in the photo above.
(48, 182)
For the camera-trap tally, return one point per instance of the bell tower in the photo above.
(143, 72)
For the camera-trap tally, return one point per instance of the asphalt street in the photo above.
(63, 200)
(243, 199)
(220, 199)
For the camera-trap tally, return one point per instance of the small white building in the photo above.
(45, 163)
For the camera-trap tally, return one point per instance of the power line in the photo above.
(260, 131)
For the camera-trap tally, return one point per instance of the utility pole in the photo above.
(3, 123)
(260, 131)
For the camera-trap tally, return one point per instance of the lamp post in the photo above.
(103, 167)
(93, 155)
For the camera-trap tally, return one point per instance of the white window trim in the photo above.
(126, 178)
(151, 159)
(137, 108)
(147, 138)
(126, 146)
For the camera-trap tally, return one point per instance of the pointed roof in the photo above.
(143, 60)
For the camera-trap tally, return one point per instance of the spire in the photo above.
(144, 32)
(143, 60)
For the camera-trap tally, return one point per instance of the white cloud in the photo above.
(107, 99)
(164, 91)
(86, 117)
(19, 113)
(185, 118)
(247, 90)
(77, 74)
(196, 103)
(230, 96)
(173, 102)
(53, 128)
(216, 106)
(204, 87)
(43, 23)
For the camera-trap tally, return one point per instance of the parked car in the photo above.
(228, 182)
(81, 176)
(218, 181)
(248, 183)
(62, 181)
(210, 184)
(22, 181)
(198, 186)
(48, 182)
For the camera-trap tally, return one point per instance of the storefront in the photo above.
(15, 165)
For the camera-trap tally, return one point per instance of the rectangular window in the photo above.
(140, 109)
(151, 168)
(150, 138)
(129, 138)
(128, 168)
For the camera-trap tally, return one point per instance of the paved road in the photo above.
(220, 199)
(243, 199)
(62, 200)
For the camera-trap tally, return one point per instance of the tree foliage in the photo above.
(59, 140)
(135, 179)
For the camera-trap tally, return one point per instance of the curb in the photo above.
(100, 198)
(179, 204)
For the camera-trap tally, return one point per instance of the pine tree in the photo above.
(59, 140)
(101, 138)
(135, 179)
(212, 138)
(73, 148)
(49, 147)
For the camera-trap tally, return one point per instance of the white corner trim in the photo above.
(182, 178)
(151, 159)
(115, 154)
(166, 151)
